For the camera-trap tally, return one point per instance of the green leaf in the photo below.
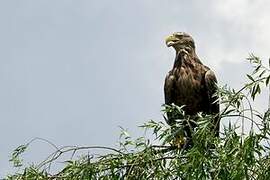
(267, 80)
(250, 77)
(262, 73)
(258, 89)
(256, 69)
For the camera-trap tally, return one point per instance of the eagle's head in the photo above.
(180, 41)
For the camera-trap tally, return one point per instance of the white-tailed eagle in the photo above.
(190, 83)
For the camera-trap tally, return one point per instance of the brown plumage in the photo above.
(190, 83)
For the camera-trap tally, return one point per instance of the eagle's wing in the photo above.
(211, 88)
(169, 88)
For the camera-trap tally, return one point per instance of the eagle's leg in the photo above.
(183, 139)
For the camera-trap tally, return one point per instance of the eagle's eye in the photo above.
(179, 35)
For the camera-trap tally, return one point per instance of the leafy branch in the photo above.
(233, 155)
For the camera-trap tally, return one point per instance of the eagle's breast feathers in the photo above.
(186, 86)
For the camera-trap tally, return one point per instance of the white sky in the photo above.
(73, 71)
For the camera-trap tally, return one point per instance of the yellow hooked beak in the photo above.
(171, 40)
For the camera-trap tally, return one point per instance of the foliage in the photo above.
(233, 155)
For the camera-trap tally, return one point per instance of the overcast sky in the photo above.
(73, 71)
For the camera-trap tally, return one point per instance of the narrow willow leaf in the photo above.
(256, 69)
(262, 73)
(258, 89)
(267, 80)
(250, 77)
